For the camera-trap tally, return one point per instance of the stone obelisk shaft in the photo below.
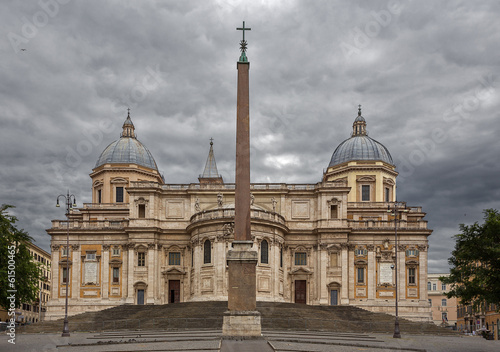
(242, 318)
(242, 196)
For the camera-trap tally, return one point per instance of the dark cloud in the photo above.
(424, 73)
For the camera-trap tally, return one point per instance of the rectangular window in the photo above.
(65, 251)
(119, 194)
(142, 210)
(428, 286)
(411, 276)
(434, 287)
(99, 195)
(361, 275)
(64, 275)
(300, 258)
(334, 212)
(141, 259)
(365, 193)
(430, 302)
(90, 255)
(281, 257)
(116, 251)
(443, 302)
(174, 258)
(116, 274)
(387, 195)
(333, 260)
(443, 287)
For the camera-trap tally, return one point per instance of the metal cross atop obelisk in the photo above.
(243, 43)
(242, 317)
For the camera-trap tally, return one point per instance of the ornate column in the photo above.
(105, 271)
(372, 277)
(344, 299)
(352, 271)
(130, 283)
(151, 273)
(55, 272)
(402, 272)
(321, 274)
(75, 270)
(422, 274)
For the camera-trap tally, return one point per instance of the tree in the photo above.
(19, 275)
(475, 262)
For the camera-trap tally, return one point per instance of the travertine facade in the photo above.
(143, 241)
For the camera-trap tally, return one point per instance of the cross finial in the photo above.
(244, 29)
(128, 112)
(359, 110)
(211, 141)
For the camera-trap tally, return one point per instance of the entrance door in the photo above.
(140, 296)
(174, 291)
(300, 291)
(333, 297)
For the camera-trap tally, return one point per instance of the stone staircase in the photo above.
(209, 315)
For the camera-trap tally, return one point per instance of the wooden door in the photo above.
(300, 291)
(334, 297)
(140, 296)
(174, 291)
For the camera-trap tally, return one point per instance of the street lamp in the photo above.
(399, 207)
(70, 203)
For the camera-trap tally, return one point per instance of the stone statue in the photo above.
(220, 199)
(274, 203)
(197, 207)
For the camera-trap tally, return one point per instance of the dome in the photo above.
(127, 150)
(360, 146)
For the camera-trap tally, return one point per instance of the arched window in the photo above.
(207, 252)
(264, 252)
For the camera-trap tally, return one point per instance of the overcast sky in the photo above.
(425, 73)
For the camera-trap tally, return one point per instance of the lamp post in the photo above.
(70, 203)
(398, 207)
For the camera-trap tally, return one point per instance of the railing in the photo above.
(95, 224)
(386, 224)
(229, 213)
(225, 186)
(377, 205)
(105, 205)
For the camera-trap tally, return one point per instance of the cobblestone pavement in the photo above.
(210, 340)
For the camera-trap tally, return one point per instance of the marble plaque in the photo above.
(91, 272)
(386, 294)
(385, 273)
(175, 209)
(300, 209)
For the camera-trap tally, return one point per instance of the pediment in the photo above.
(299, 271)
(173, 271)
(366, 179)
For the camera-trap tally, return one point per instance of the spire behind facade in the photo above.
(210, 173)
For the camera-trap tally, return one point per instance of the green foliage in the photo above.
(14, 252)
(475, 262)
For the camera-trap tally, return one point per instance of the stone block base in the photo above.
(243, 324)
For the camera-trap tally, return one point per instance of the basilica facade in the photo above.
(144, 241)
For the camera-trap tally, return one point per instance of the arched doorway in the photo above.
(334, 293)
(140, 292)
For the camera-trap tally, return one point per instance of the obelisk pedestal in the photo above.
(242, 319)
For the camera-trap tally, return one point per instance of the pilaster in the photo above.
(105, 271)
(345, 276)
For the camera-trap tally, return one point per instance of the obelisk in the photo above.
(242, 319)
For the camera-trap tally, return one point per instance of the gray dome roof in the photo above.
(127, 150)
(360, 148)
